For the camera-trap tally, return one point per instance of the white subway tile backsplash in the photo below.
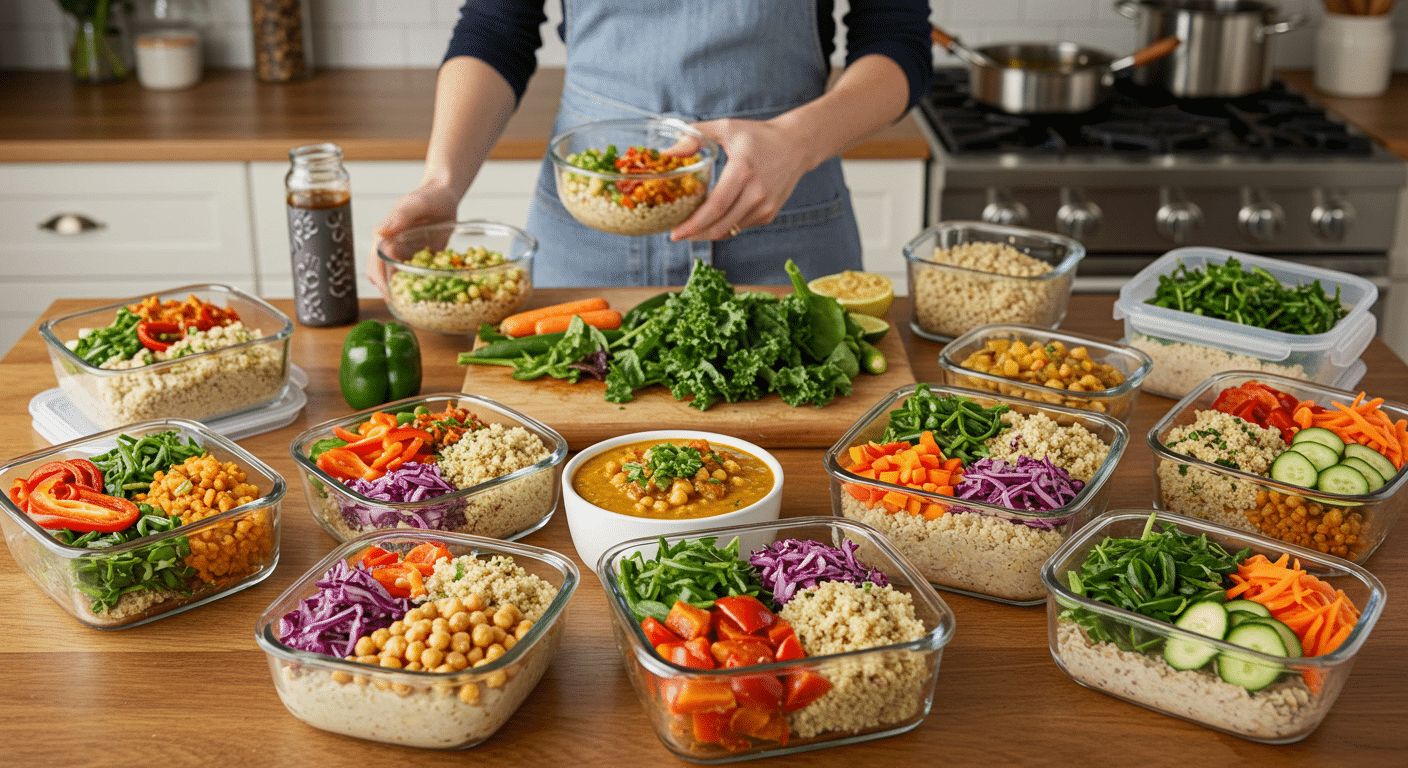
(360, 47)
(964, 11)
(1069, 11)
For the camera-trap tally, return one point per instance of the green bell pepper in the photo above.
(380, 363)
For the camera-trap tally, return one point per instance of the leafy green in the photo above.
(960, 425)
(160, 566)
(667, 461)
(1255, 298)
(692, 570)
(1157, 575)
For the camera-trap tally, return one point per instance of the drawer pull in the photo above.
(71, 224)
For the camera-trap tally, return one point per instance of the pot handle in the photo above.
(1294, 21)
(950, 43)
(1127, 8)
(1156, 50)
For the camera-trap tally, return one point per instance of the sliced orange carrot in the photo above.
(603, 319)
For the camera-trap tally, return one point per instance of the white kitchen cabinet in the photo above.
(158, 225)
(888, 197)
(501, 192)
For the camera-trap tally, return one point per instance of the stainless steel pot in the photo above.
(1226, 49)
(1022, 78)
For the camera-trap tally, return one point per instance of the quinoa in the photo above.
(599, 212)
(1180, 367)
(878, 690)
(967, 551)
(206, 374)
(494, 451)
(460, 316)
(498, 580)
(1282, 711)
(1071, 447)
(1222, 439)
(949, 302)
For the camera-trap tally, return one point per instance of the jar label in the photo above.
(324, 264)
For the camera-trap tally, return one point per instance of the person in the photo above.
(750, 74)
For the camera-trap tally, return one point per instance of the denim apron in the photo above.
(694, 61)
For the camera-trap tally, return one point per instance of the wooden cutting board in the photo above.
(581, 413)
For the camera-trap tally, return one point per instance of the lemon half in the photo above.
(864, 293)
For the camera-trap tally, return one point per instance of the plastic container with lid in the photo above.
(1188, 348)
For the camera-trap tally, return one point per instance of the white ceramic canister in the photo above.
(168, 59)
(1354, 54)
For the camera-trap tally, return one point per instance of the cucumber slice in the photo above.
(1319, 435)
(1208, 619)
(1248, 606)
(1319, 454)
(1237, 617)
(1377, 460)
(1339, 479)
(1371, 475)
(1244, 670)
(1288, 635)
(1294, 468)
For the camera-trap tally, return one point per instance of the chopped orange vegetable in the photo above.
(922, 467)
(1362, 421)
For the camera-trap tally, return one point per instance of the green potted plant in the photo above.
(97, 54)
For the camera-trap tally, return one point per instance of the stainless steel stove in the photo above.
(1270, 174)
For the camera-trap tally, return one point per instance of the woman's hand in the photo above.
(765, 162)
(427, 204)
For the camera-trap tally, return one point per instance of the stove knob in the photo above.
(1260, 219)
(1330, 220)
(1002, 208)
(1176, 220)
(1077, 217)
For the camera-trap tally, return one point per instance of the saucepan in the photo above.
(1060, 77)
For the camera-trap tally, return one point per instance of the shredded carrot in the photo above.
(1321, 616)
(922, 467)
(1362, 421)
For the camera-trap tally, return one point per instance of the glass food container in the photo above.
(875, 692)
(1115, 401)
(427, 709)
(197, 562)
(973, 547)
(1285, 711)
(509, 506)
(1348, 526)
(204, 385)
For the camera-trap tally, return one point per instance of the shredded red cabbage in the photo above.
(1030, 485)
(411, 481)
(350, 603)
(791, 564)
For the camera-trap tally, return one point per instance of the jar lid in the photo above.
(168, 38)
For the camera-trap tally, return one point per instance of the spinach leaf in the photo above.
(692, 570)
(159, 566)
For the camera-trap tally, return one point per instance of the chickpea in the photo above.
(469, 693)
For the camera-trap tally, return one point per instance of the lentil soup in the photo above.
(681, 481)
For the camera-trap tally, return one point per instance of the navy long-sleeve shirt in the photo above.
(504, 34)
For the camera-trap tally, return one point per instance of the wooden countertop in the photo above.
(374, 114)
(195, 687)
(1385, 117)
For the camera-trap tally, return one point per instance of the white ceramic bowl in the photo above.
(594, 530)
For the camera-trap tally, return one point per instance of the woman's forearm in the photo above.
(473, 104)
(870, 94)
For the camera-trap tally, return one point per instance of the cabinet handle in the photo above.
(71, 224)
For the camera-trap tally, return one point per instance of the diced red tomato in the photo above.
(761, 691)
(658, 633)
(789, 649)
(703, 695)
(802, 689)
(747, 651)
(687, 621)
(747, 612)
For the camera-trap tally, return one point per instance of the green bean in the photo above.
(1255, 298)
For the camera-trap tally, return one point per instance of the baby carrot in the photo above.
(604, 319)
(522, 323)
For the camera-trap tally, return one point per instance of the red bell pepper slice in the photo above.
(747, 612)
(55, 503)
(803, 688)
(345, 465)
(779, 631)
(702, 695)
(686, 620)
(374, 556)
(158, 335)
(713, 728)
(725, 629)
(657, 633)
(428, 553)
(789, 649)
(748, 652)
(762, 692)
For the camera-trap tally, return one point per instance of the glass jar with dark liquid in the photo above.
(320, 236)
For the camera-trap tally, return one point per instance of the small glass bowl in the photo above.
(595, 198)
(1116, 402)
(507, 507)
(1285, 712)
(433, 710)
(455, 300)
(975, 548)
(949, 301)
(1202, 489)
(203, 386)
(67, 574)
(855, 710)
